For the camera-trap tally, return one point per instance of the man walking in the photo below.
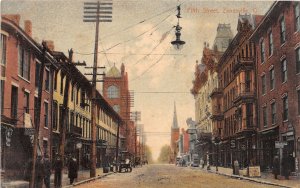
(73, 169)
(58, 165)
(39, 172)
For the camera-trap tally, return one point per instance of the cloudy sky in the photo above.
(140, 37)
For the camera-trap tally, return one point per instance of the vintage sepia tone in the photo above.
(139, 93)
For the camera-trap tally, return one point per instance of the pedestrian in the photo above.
(202, 163)
(39, 172)
(72, 169)
(276, 166)
(58, 165)
(286, 167)
(47, 171)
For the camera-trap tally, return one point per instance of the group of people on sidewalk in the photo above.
(286, 166)
(44, 167)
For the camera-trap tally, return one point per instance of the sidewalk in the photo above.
(266, 178)
(82, 175)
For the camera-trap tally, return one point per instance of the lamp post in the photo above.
(178, 44)
(217, 141)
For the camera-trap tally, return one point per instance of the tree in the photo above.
(164, 154)
(148, 153)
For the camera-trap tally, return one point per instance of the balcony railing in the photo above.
(243, 64)
(216, 91)
(77, 131)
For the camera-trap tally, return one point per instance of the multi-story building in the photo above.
(206, 79)
(233, 101)
(116, 92)
(21, 59)
(277, 43)
(78, 138)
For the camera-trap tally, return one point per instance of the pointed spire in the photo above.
(175, 122)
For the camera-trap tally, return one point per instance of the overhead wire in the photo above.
(133, 25)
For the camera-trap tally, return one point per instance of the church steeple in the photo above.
(175, 122)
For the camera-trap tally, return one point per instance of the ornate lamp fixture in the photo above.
(178, 44)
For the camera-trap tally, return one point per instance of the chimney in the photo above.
(13, 17)
(50, 44)
(28, 27)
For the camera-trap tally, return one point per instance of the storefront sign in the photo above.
(280, 144)
(254, 171)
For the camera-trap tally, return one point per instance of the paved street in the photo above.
(168, 176)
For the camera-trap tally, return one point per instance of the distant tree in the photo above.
(148, 154)
(164, 154)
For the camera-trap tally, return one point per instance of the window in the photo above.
(46, 114)
(262, 51)
(265, 118)
(298, 60)
(55, 81)
(116, 108)
(273, 111)
(249, 114)
(271, 43)
(2, 95)
(77, 95)
(297, 17)
(72, 92)
(47, 80)
(26, 102)
(272, 79)
(61, 84)
(298, 92)
(113, 92)
(35, 107)
(82, 101)
(283, 71)
(285, 108)
(263, 84)
(55, 116)
(3, 54)
(37, 74)
(14, 102)
(24, 62)
(248, 81)
(282, 30)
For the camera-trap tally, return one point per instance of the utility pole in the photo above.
(96, 12)
(37, 117)
(136, 117)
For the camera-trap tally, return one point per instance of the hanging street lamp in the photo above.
(178, 44)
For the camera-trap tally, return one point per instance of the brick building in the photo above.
(21, 59)
(116, 92)
(277, 43)
(233, 102)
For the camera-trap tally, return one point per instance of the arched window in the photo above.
(113, 92)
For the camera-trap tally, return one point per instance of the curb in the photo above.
(89, 180)
(249, 179)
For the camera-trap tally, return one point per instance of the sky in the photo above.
(139, 36)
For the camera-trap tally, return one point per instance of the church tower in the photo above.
(174, 137)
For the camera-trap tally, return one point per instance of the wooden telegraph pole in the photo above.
(96, 12)
(37, 118)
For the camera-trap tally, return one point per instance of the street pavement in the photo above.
(169, 176)
(266, 178)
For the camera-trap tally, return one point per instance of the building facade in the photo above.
(116, 92)
(206, 79)
(21, 59)
(277, 43)
(233, 101)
